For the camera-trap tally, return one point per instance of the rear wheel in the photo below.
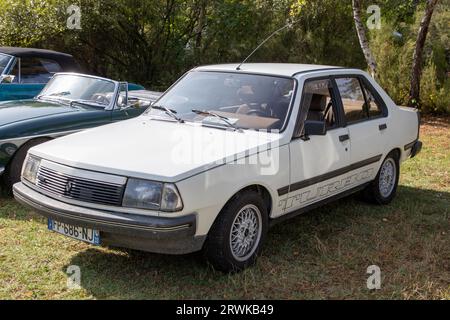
(384, 188)
(236, 237)
(14, 168)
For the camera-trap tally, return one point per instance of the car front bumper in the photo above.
(147, 233)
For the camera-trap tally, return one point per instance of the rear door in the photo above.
(364, 116)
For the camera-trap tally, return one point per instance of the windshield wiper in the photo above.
(60, 94)
(87, 103)
(169, 112)
(56, 94)
(224, 119)
(50, 98)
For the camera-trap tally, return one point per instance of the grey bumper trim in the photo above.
(415, 147)
(118, 223)
(2, 169)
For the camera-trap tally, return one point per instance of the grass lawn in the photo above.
(322, 254)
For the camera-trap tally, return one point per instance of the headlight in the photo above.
(152, 195)
(31, 168)
(171, 200)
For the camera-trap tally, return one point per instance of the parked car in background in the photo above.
(25, 71)
(69, 103)
(224, 154)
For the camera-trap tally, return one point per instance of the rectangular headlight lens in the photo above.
(31, 168)
(143, 194)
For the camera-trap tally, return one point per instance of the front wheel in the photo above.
(236, 237)
(384, 188)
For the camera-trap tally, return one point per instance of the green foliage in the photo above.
(394, 56)
(154, 42)
(434, 96)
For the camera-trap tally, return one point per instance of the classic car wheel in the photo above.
(14, 168)
(236, 237)
(384, 188)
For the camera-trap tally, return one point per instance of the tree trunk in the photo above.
(362, 37)
(416, 73)
(201, 23)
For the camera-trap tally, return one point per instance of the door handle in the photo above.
(343, 138)
(382, 126)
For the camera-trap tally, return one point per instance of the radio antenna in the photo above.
(289, 25)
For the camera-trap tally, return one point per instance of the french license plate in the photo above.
(84, 234)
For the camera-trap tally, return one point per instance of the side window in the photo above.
(15, 71)
(353, 101)
(374, 106)
(36, 70)
(317, 101)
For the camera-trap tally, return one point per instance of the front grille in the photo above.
(81, 189)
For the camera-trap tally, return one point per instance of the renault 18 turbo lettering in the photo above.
(224, 154)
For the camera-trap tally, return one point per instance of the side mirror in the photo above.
(315, 128)
(7, 78)
(122, 98)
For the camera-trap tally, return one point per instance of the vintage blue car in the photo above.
(69, 103)
(25, 71)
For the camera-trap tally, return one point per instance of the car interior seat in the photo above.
(317, 107)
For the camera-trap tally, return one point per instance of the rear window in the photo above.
(37, 70)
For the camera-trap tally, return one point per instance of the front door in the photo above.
(31, 75)
(318, 163)
(19, 91)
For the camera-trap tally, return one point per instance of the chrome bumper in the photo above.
(154, 234)
(2, 169)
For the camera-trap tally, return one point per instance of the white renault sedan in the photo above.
(224, 154)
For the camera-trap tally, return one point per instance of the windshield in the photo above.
(244, 101)
(71, 87)
(4, 60)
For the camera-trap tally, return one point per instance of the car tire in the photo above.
(383, 189)
(14, 168)
(235, 240)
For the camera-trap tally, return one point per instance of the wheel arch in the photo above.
(24, 145)
(398, 153)
(258, 188)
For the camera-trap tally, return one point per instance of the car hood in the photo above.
(21, 110)
(154, 149)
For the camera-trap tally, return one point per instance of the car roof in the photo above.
(280, 69)
(65, 60)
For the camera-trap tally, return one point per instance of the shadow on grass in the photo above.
(138, 275)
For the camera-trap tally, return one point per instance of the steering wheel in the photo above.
(100, 98)
(255, 112)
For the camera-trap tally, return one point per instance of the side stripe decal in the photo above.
(309, 182)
